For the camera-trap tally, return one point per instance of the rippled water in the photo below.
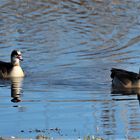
(69, 48)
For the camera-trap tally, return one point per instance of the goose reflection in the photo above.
(131, 91)
(16, 89)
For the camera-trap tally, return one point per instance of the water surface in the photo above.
(69, 48)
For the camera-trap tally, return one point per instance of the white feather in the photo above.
(16, 72)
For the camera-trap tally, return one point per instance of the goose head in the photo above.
(16, 57)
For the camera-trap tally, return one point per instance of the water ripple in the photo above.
(69, 48)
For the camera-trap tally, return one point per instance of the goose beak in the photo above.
(20, 57)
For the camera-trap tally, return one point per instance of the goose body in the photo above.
(125, 79)
(12, 69)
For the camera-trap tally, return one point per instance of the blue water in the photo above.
(69, 48)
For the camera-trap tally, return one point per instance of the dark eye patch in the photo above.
(14, 52)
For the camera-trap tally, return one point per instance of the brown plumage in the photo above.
(5, 69)
(125, 79)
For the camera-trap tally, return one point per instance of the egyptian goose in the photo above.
(12, 69)
(125, 79)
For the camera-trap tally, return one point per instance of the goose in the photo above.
(125, 79)
(12, 69)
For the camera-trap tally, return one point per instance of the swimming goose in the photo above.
(12, 69)
(125, 79)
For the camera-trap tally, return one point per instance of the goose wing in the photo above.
(5, 68)
(124, 76)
